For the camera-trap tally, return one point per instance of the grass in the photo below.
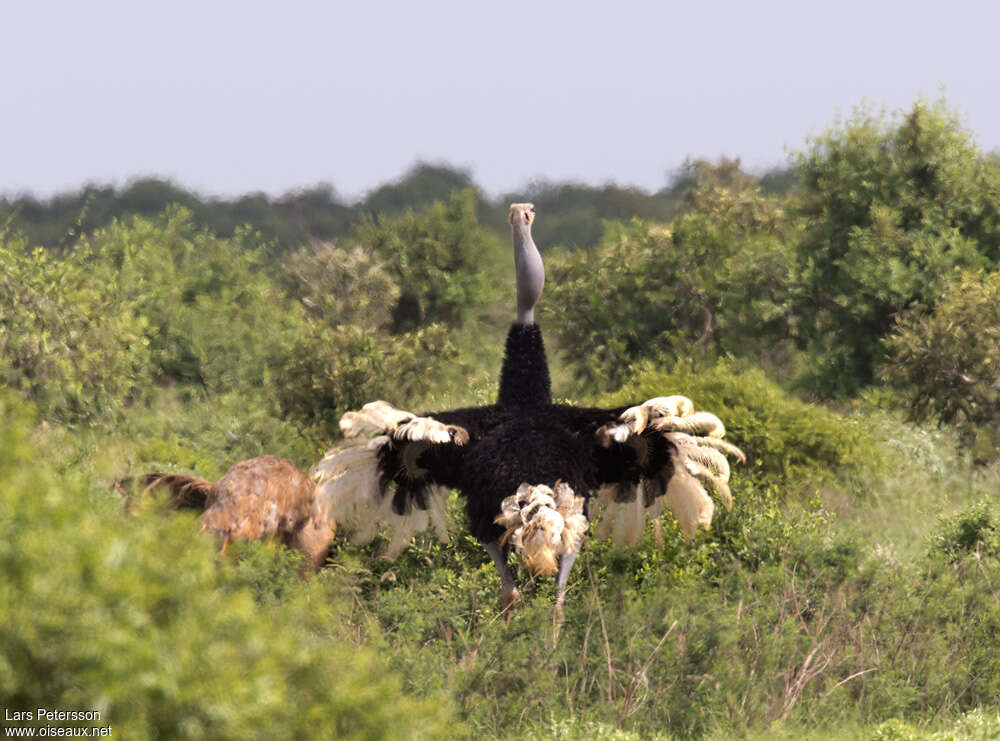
(927, 476)
(785, 621)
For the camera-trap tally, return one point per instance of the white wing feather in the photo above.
(347, 478)
(698, 456)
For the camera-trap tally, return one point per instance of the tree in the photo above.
(442, 259)
(339, 286)
(573, 215)
(893, 207)
(347, 355)
(713, 281)
(947, 364)
(421, 186)
(214, 318)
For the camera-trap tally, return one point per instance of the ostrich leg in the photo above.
(565, 564)
(508, 592)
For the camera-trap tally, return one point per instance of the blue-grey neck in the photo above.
(529, 272)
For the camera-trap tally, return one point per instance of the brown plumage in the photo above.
(265, 497)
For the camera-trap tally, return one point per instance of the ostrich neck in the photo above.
(524, 376)
(529, 273)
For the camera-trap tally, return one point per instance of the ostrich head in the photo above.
(529, 272)
(522, 213)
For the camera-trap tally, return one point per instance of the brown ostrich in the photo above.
(265, 497)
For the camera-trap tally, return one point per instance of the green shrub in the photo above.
(340, 286)
(946, 364)
(335, 369)
(974, 531)
(135, 618)
(788, 442)
(975, 725)
(52, 348)
(214, 317)
(714, 280)
(893, 206)
(443, 261)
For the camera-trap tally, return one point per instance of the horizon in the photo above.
(352, 200)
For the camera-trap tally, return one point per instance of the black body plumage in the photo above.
(524, 377)
(523, 438)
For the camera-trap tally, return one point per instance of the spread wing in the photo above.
(395, 469)
(659, 451)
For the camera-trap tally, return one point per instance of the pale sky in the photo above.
(231, 97)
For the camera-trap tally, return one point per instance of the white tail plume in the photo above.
(623, 516)
(438, 512)
(347, 492)
(347, 488)
(697, 423)
(430, 430)
(718, 444)
(638, 417)
(666, 414)
(402, 528)
(701, 458)
(543, 524)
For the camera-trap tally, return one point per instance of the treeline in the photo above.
(870, 265)
(574, 213)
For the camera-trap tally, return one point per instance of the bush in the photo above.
(333, 370)
(788, 442)
(86, 333)
(713, 281)
(51, 348)
(975, 531)
(214, 317)
(340, 286)
(947, 364)
(893, 206)
(136, 619)
(441, 259)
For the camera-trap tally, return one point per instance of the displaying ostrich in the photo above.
(265, 497)
(526, 467)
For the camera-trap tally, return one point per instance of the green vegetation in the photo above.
(947, 363)
(789, 442)
(840, 316)
(892, 208)
(135, 619)
(713, 281)
(54, 352)
(443, 261)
